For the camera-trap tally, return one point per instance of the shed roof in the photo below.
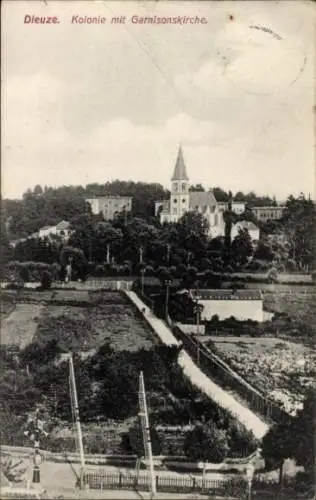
(226, 294)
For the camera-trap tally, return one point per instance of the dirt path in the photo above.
(199, 379)
(19, 327)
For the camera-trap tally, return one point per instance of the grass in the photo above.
(79, 320)
(299, 306)
(19, 327)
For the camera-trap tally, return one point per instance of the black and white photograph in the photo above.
(158, 250)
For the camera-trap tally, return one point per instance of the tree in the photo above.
(108, 236)
(303, 434)
(46, 280)
(136, 443)
(299, 223)
(277, 446)
(196, 187)
(206, 443)
(241, 247)
(77, 259)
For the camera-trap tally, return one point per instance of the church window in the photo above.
(175, 200)
(216, 220)
(183, 200)
(184, 187)
(175, 187)
(175, 211)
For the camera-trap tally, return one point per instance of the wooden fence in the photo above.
(94, 285)
(167, 484)
(217, 369)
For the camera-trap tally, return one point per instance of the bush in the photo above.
(25, 274)
(46, 280)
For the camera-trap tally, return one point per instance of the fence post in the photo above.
(120, 480)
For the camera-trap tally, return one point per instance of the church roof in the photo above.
(180, 171)
(201, 199)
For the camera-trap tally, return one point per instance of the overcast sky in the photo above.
(92, 103)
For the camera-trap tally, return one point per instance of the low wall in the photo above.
(195, 329)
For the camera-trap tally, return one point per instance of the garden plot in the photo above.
(280, 370)
(20, 326)
(107, 317)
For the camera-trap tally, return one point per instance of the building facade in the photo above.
(268, 213)
(253, 230)
(183, 200)
(242, 304)
(110, 206)
(62, 229)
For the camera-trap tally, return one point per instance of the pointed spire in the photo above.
(180, 171)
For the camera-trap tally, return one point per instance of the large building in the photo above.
(183, 200)
(242, 304)
(110, 206)
(268, 213)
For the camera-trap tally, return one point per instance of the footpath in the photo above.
(225, 400)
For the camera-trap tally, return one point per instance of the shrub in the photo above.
(25, 274)
(46, 280)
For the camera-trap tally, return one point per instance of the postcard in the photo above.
(157, 249)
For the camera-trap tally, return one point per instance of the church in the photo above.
(183, 200)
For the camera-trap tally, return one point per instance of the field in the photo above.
(299, 306)
(279, 369)
(79, 320)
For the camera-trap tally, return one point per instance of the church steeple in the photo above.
(180, 171)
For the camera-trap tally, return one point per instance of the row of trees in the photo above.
(47, 206)
(135, 242)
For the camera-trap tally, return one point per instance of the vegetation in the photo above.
(282, 370)
(136, 241)
(295, 440)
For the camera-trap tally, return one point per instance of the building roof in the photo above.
(180, 172)
(226, 294)
(62, 225)
(44, 228)
(107, 197)
(201, 199)
(246, 224)
(278, 207)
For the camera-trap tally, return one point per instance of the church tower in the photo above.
(179, 201)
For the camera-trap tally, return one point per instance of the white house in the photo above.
(253, 230)
(62, 229)
(242, 304)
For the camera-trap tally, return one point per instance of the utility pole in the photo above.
(146, 431)
(75, 411)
